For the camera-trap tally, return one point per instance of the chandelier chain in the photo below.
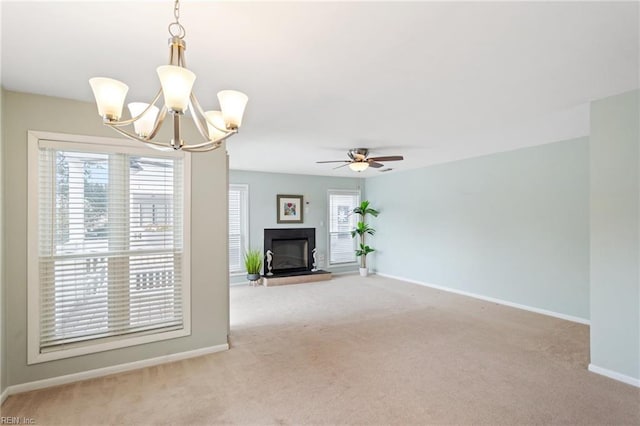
(175, 28)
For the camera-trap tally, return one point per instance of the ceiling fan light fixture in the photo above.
(359, 160)
(176, 87)
(359, 166)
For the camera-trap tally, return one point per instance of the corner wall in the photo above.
(615, 237)
(512, 226)
(263, 189)
(209, 287)
(3, 322)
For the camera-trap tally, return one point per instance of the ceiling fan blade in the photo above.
(374, 164)
(348, 162)
(334, 161)
(388, 158)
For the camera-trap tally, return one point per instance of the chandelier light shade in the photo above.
(144, 125)
(233, 104)
(109, 94)
(359, 166)
(215, 122)
(176, 84)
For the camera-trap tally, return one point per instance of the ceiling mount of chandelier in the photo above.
(176, 83)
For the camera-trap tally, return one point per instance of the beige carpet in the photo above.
(359, 351)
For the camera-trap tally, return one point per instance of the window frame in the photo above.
(244, 225)
(94, 144)
(330, 192)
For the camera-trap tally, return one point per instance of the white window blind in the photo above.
(341, 222)
(110, 245)
(238, 226)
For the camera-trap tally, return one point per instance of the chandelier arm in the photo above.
(201, 111)
(217, 141)
(213, 146)
(209, 145)
(137, 117)
(196, 119)
(136, 137)
(159, 120)
(227, 131)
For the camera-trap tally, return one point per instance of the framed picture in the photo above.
(290, 208)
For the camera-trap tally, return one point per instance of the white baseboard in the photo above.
(492, 299)
(120, 368)
(4, 395)
(614, 375)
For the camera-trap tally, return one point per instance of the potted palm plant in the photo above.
(362, 229)
(253, 264)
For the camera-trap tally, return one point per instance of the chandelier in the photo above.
(176, 83)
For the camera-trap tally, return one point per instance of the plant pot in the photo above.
(364, 272)
(253, 278)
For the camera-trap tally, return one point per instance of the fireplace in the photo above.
(291, 249)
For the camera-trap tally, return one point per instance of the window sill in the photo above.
(117, 343)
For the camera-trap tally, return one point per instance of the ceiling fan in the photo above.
(360, 161)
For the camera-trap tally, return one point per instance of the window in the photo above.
(238, 226)
(108, 245)
(341, 221)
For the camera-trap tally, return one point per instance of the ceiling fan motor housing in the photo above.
(358, 154)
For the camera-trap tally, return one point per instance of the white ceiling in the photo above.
(435, 82)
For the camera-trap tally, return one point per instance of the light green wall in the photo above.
(263, 189)
(615, 238)
(209, 278)
(512, 226)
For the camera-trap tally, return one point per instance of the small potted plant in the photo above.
(253, 264)
(361, 230)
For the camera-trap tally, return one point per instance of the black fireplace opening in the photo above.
(291, 249)
(290, 254)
